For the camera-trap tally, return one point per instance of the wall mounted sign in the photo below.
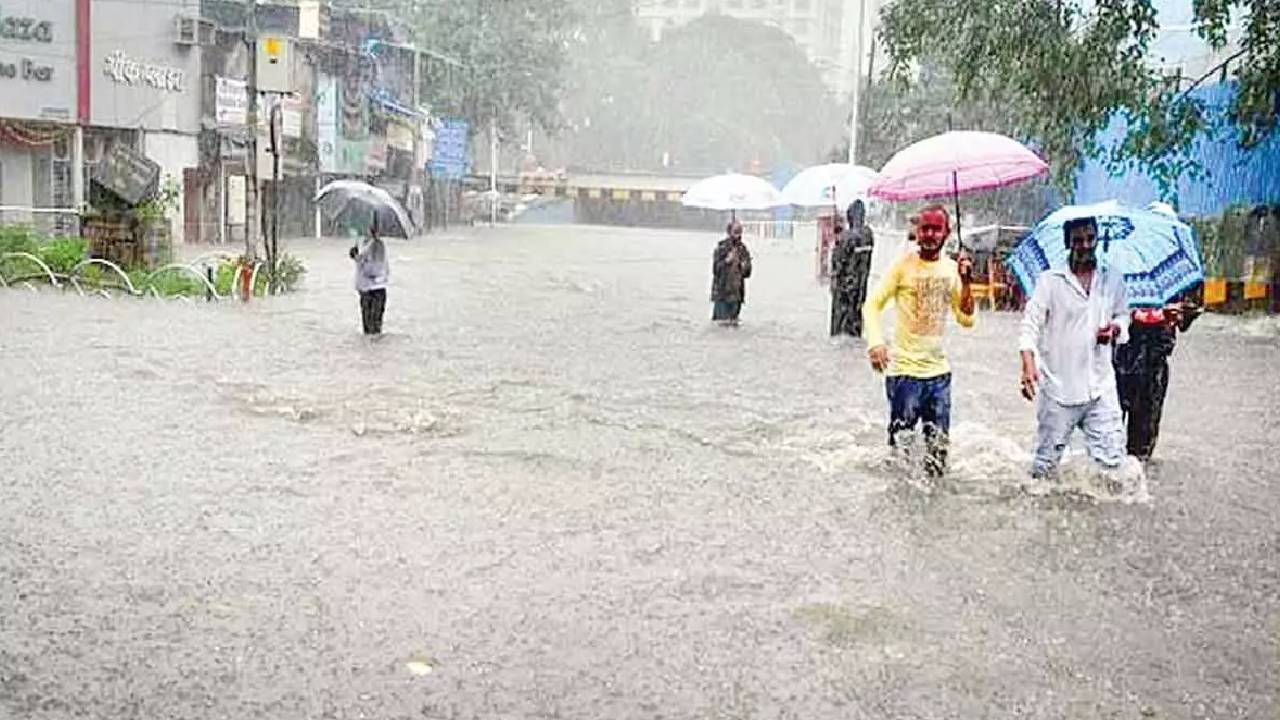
(25, 69)
(231, 102)
(25, 29)
(127, 173)
(129, 71)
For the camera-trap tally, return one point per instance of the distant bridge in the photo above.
(645, 199)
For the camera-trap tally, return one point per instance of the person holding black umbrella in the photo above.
(372, 273)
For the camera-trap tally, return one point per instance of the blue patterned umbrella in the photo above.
(1157, 254)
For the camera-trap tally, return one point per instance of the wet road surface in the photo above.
(555, 490)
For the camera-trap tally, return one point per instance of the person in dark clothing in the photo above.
(850, 266)
(730, 268)
(1142, 371)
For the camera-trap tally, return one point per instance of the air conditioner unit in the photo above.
(194, 31)
(188, 31)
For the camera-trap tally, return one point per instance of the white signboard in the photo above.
(235, 200)
(232, 106)
(327, 122)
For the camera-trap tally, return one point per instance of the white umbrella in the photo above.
(836, 184)
(732, 192)
(340, 196)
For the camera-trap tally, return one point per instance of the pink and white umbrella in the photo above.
(956, 162)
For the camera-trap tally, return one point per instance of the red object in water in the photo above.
(1148, 316)
(246, 280)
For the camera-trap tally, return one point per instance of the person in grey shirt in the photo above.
(1072, 321)
(372, 273)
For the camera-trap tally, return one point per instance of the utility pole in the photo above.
(857, 82)
(417, 175)
(493, 170)
(277, 149)
(251, 167)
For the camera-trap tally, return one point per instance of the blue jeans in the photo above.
(924, 401)
(1099, 420)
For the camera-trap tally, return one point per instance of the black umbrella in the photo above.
(359, 199)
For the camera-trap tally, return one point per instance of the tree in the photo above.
(716, 93)
(489, 59)
(895, 115)
(513, 55)
(1063, 73)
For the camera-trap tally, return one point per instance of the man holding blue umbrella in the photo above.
(1073, 319)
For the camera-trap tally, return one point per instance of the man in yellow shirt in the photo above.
(924, 287)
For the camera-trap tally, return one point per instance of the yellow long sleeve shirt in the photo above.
(922, 292)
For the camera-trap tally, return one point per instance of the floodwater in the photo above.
(555, 490)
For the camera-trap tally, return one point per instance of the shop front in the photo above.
(38, 114)
(145, 90)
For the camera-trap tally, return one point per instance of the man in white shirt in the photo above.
(1071, 323)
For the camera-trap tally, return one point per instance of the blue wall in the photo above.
(1234, 176)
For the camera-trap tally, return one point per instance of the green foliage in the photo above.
(63, 254)
(896, 114)
(158, 208)
(512, 55)
(170, 282)
(1062, 72)
(1223, 242)
(289, 272)
(18, 238)
(716, 93)
(60, 254)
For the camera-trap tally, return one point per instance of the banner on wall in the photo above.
(327, 123)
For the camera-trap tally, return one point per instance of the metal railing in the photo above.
(120, 280)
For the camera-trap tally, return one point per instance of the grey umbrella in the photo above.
(353, 198)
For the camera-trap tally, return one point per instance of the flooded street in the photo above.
(556, 490)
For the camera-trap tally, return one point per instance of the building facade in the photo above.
(145, 89)
(39, 80)
(166, 82)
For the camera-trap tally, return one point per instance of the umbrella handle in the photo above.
(955, 195)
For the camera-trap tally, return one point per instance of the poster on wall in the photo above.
(327, 123)
(235, 200)
(232, 102)
(450, 154)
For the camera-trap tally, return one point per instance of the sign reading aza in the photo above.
(25, 29)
